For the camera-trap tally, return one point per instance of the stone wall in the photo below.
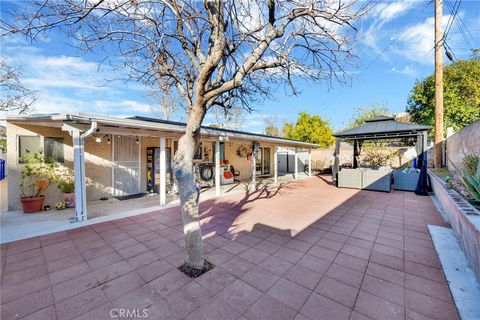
(463, 218)
(466, 141)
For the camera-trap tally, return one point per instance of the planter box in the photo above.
(464, 219)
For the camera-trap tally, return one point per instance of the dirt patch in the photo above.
(195, 273)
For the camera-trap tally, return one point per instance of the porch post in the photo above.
(310, 162)
(275, 164)
(217, 167)
(163, 172)
(79, 174)
(254, 170)
(296, 164)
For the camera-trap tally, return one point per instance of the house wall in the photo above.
(244, 164)
(97, 165)
(98, 161)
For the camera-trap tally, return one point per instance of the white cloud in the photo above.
(407, 70)
(389, 11)
(381, 15)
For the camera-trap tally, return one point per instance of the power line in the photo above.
(460, 24)
(392, 41)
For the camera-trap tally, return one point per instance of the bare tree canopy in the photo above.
(215, 53)
(14, 96)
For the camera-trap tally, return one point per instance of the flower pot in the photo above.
(69, 199)
(32, 205)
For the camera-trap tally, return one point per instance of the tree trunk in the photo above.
(189, 193)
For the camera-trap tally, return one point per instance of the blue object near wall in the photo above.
(2, 169)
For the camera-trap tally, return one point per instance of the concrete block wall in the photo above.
(466, 141)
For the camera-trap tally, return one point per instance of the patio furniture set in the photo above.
(381, 179)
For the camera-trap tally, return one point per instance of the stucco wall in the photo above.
(97, 165)
(244, 164)
(466, 141)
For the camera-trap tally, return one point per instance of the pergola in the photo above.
(382, 128)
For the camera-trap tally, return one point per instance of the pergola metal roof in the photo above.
(382, 127)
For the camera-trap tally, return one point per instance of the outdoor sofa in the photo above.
(365, 178)
(406, 179)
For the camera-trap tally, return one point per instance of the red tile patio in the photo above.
(305, 250)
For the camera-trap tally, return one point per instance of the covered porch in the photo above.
(16, 225)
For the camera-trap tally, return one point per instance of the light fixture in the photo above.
(137, 141)
(108, 140)
(98, 139)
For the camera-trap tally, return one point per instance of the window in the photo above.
(28, 145)
(198, 153)
(54, 149)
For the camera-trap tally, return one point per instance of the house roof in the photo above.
(143, 125)
(382, 127)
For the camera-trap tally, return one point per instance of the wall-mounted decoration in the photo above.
(242, 151)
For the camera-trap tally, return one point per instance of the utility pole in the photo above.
(438, 84)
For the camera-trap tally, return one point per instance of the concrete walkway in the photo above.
(306, 250)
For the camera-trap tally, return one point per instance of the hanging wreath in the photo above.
(242, 151)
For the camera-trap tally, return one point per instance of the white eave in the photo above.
(132, 126)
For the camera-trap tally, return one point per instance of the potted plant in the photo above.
(66, 183)
(36, 176)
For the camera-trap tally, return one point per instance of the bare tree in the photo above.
(215, 53)
(14, 96)
(271, 127)
(168, 102)
(227, 118)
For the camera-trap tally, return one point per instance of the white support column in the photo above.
(275, 164)
(163, 172)
(296, 164)
(254, 171)
(217, 167)
(310, 162)
(79, 174)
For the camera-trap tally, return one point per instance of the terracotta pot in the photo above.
(69, 199)
(32, 205)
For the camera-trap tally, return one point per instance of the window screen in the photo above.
(28, 145)
(198, 153)
(54, 149)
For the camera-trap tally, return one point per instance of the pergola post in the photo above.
(275, 164)
(310, 162)
(336, 161)
(355, 146)
(163, 172)
(217, 167)
(296, 164)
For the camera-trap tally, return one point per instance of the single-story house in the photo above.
(112, 156)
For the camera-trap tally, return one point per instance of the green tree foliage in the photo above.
(360, 115)
(461, 95)
(310, 128)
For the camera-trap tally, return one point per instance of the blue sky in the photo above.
(394, 50)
